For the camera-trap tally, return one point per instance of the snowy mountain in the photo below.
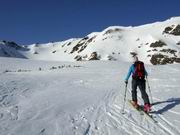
(156, 43)
(53, 89)
(83, 98)
(11, 49)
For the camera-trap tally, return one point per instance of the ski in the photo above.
(138, 109)
(142, 112)
(149, 116)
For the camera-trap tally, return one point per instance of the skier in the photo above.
(139, 73)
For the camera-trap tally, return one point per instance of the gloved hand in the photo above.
(126, 82)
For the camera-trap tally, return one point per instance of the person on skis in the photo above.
(139, 73)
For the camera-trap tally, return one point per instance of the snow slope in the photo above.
(156, 43)
(11, 49)
(114, 43)
(83, 98)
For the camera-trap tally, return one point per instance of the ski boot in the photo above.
(135, 104)
(147, 108)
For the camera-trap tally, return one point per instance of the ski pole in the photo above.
(124, 98)
(149, 90)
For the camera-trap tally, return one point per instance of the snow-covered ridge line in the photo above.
(156, 43)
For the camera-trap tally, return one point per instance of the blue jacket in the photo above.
(131, 71)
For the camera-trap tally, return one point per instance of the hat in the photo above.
(135, 59)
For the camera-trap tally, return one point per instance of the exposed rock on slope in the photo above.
(174, 30)
(156, 43)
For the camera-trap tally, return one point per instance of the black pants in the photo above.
(142, 86)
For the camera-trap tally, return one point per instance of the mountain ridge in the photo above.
(155, 43)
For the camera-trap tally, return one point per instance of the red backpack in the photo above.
(139, 70)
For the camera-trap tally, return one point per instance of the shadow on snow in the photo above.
(171, 103)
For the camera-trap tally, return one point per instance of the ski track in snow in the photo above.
(83, 101)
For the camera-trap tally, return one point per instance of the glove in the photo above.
(126, 82)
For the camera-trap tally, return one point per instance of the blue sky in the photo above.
(32, 21)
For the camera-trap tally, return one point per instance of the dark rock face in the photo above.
(168, 51)
(173, 30)
(81, 58)
(36, 52)
(158, 44)
(168, 29)
(94, 56)
(112, 31)
(69, 44)
(177, 60)
(78, 58)
(82, 44)
(154, 50)
(171, 51)
(176, 31)
(111, 58)
(54, 51)
(137, 39)
(160, 59)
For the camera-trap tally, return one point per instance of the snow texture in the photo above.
(83, 98)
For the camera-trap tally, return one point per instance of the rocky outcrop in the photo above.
(163, 56)
(160, 59)
(94, 56)
(78, 58)
(36, 52)
(171, 51)
(158, 44)
(54, 51)
(111, 58)
(82, 44)
(112, 31)
(174, 30)
(167, 29)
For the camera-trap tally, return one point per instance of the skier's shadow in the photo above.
(171, 103)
